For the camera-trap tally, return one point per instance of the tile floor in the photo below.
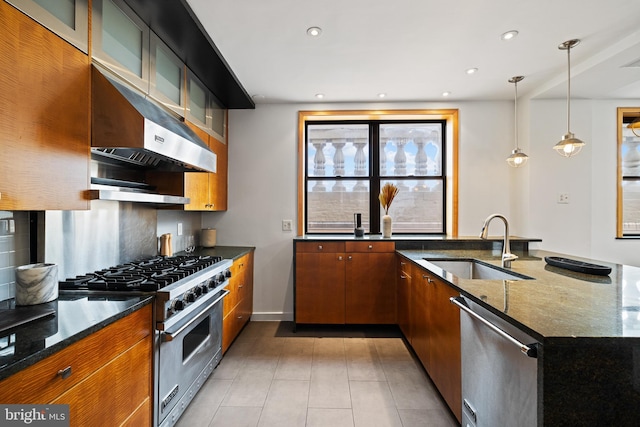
(319, 376)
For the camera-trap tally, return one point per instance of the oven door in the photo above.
(188, 352)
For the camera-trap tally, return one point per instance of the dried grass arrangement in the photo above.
(387, 194)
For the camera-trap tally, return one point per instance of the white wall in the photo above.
(587, 225)
(263, 159)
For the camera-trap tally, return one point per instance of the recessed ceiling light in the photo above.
(314, 31)
(257, 96)
(445, 94)
(382, 95)
(319, 95)
(509, 35)
(472, 70)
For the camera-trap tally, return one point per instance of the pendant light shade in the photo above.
(517, 157)
(569, 145)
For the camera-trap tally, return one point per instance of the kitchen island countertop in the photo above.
(555, 303)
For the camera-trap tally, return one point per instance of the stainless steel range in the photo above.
(188, 318)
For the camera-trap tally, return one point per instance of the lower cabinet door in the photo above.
(370, 288)
(320, 288)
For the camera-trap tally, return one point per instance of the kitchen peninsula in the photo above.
(586, 326)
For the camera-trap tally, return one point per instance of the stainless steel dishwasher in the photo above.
(499, 370)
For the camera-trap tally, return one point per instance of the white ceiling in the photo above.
(413, 50)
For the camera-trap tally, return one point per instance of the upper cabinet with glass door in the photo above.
(166, 76)
(67, 18)
(203, 109)
(121, 41)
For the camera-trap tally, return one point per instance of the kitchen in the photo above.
(532, 209)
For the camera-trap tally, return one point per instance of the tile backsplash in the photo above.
(14, 249)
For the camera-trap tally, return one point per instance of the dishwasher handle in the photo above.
(530, 350)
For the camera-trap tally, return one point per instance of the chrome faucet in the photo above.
(507, 256)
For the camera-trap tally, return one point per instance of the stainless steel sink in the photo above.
(474, 269)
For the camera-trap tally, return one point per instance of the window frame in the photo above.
(450, 169)
(622, 114)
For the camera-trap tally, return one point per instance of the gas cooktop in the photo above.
(148, 275)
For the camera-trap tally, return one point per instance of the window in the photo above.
(628, 172)
(348, 158)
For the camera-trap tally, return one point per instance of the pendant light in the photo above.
(569, 145)
(517, 157)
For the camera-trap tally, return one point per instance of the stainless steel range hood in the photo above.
(129, 128)
(130, 135)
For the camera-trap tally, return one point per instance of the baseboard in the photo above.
(271, 316)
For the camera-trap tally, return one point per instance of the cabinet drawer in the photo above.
(370, 246)
(328, 247)
(41, 383)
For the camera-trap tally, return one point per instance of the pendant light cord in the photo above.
(515, 102)
(568, 88)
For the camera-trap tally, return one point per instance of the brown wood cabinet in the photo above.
(110, 381)
(404, 301)
(435, 331)
(345, 282)
(370, 284)
(320, 283)
(238, 304)
(207, 191)
(44, 125)
(445, 355)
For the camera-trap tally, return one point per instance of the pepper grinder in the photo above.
(358, 231)
(165, 245)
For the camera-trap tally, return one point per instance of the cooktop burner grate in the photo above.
(147, 275)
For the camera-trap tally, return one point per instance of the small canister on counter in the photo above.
(36, 283)
(208, 237)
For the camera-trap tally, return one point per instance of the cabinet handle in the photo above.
(349, 258)
(239, 317)
(319, 247)
(65, 373)
(370, 246)
(402, 276)
(240, 286)
(429, 280)
(402, 263)
(339, 258)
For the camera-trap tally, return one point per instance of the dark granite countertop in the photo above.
(77, 316)
(226, 252)
(556, 303)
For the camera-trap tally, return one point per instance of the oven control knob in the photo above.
(220, 278)
(197, 291)
(213, 283)
(227, 273)
(190, 296)
(204, 288)
(177, 305)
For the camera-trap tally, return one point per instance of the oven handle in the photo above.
(170, 336)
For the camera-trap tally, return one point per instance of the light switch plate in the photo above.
(563, 198)
(179, 229)
(287, 225)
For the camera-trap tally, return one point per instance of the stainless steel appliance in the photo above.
(499, 370)
(188, 316)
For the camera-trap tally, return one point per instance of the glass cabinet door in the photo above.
(67, 18)
(198, 102)
(121, 41)
(166, 77)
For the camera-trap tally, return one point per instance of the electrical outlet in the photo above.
(179, 229)
(287, 225)
(563, 198)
